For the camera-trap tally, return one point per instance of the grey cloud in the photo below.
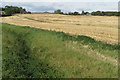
(66, 6)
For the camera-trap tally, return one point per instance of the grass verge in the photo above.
(36, 53)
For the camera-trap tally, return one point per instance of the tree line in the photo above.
(108, 13)
(10, 10)
(95, 13)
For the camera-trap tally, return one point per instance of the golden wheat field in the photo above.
(102, 28)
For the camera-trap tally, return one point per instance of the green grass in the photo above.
(36, 53)
(0, 51)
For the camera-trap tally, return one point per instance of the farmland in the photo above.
(102, 28)
(60, 46)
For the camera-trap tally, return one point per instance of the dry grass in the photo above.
(103, 28)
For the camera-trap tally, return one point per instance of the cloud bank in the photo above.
(65, 6)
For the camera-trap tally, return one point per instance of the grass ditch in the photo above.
(37, 53)
(18, 61)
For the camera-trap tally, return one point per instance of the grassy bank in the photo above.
(30, 52)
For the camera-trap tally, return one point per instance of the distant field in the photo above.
(103, 28)
(36, 53)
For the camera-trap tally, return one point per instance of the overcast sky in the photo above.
(64, 5)
(60, 0)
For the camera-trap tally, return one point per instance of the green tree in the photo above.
(83, 12)
(76, 13)
(58, 11)
(9, 10)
